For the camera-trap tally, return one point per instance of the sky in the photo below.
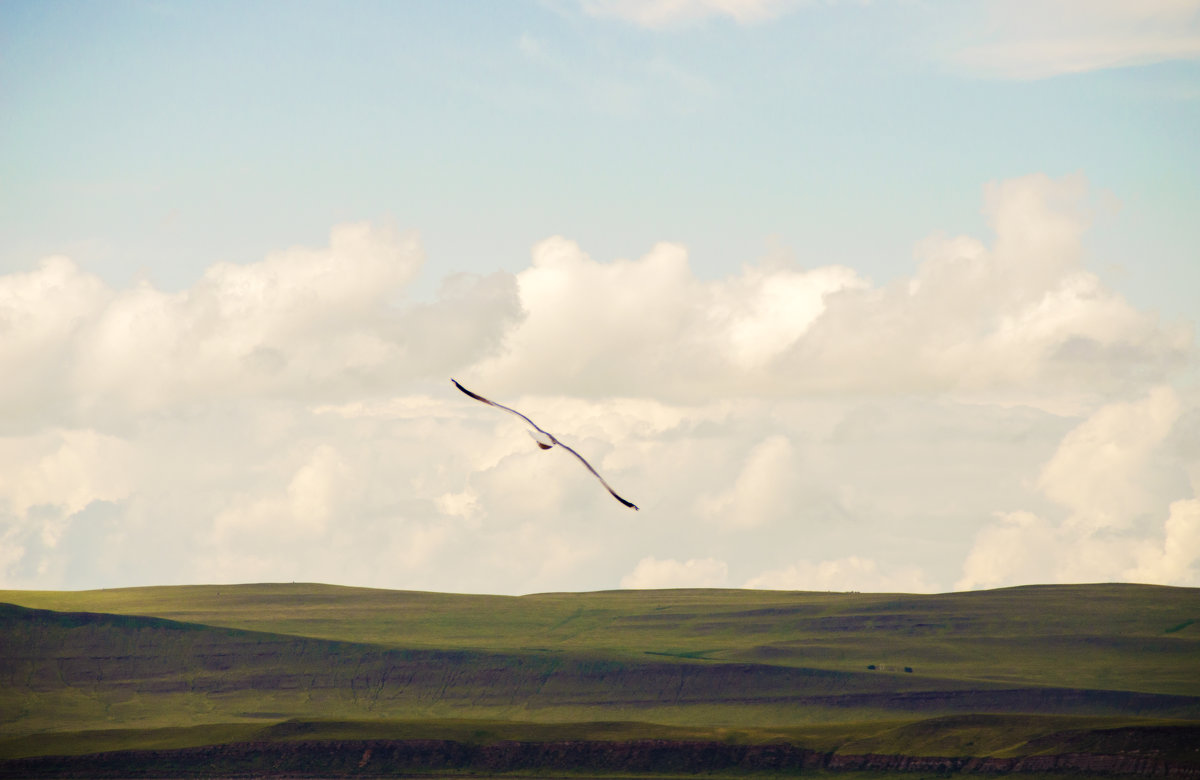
(880, 296)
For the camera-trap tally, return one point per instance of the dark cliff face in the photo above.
(648, 757)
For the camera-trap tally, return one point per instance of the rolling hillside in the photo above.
(1036, 670)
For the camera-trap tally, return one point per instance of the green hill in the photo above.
(1023, 671)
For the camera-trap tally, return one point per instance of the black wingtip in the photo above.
(468, 392)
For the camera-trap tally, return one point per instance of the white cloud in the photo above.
(761, 493)
(291, 419)
(419, 544)
(1007, 39)
(604, 326)
(695, 573)
(305, 508)
(299, 318)
(1024, 312)
(464, 504)
(663, 13)
(1175, 561)
(12, 551)
(49, 484)
(1111, 475)
(1028, 39)
(851, 573)
(42, 313)
(1103, 469)
(767, 309)
(1019, 548)
(66, 469)
(973, 319)
(310, 323)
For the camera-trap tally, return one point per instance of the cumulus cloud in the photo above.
(304, 508)
(1023, 312)
(784, 426)
(300, 317)
(1104, 471)
(1175, 561)
(65, 469)
(761, 493)
(1110, 474)
(696, 573)
(310, 323)
(41, 315)
(843, 574)
(1020, 313)
(1018, 547)
(1028, 39)
(604, 326)
(48, 482)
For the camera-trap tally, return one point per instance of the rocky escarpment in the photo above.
(651, 757)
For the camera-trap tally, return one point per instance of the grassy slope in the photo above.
(377, 663)
(991, 735)
(1123, 637)
(64, 670)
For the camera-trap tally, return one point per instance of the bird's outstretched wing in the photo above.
(501, 406)
(551, 437)
(607, 487)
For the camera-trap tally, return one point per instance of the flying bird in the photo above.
(550, 438)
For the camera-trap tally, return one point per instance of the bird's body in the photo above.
(549, 437)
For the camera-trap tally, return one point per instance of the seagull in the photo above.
(548, 442)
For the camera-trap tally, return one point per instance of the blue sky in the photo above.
(159, 137)
(833, 179)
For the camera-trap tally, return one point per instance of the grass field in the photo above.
(1013, 672)
(1025, 635)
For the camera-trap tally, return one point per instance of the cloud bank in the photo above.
(1111, 475)
(1021, 313)
(1006, 39)
(304, 323)
(1000, 416)
(1030, 39)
